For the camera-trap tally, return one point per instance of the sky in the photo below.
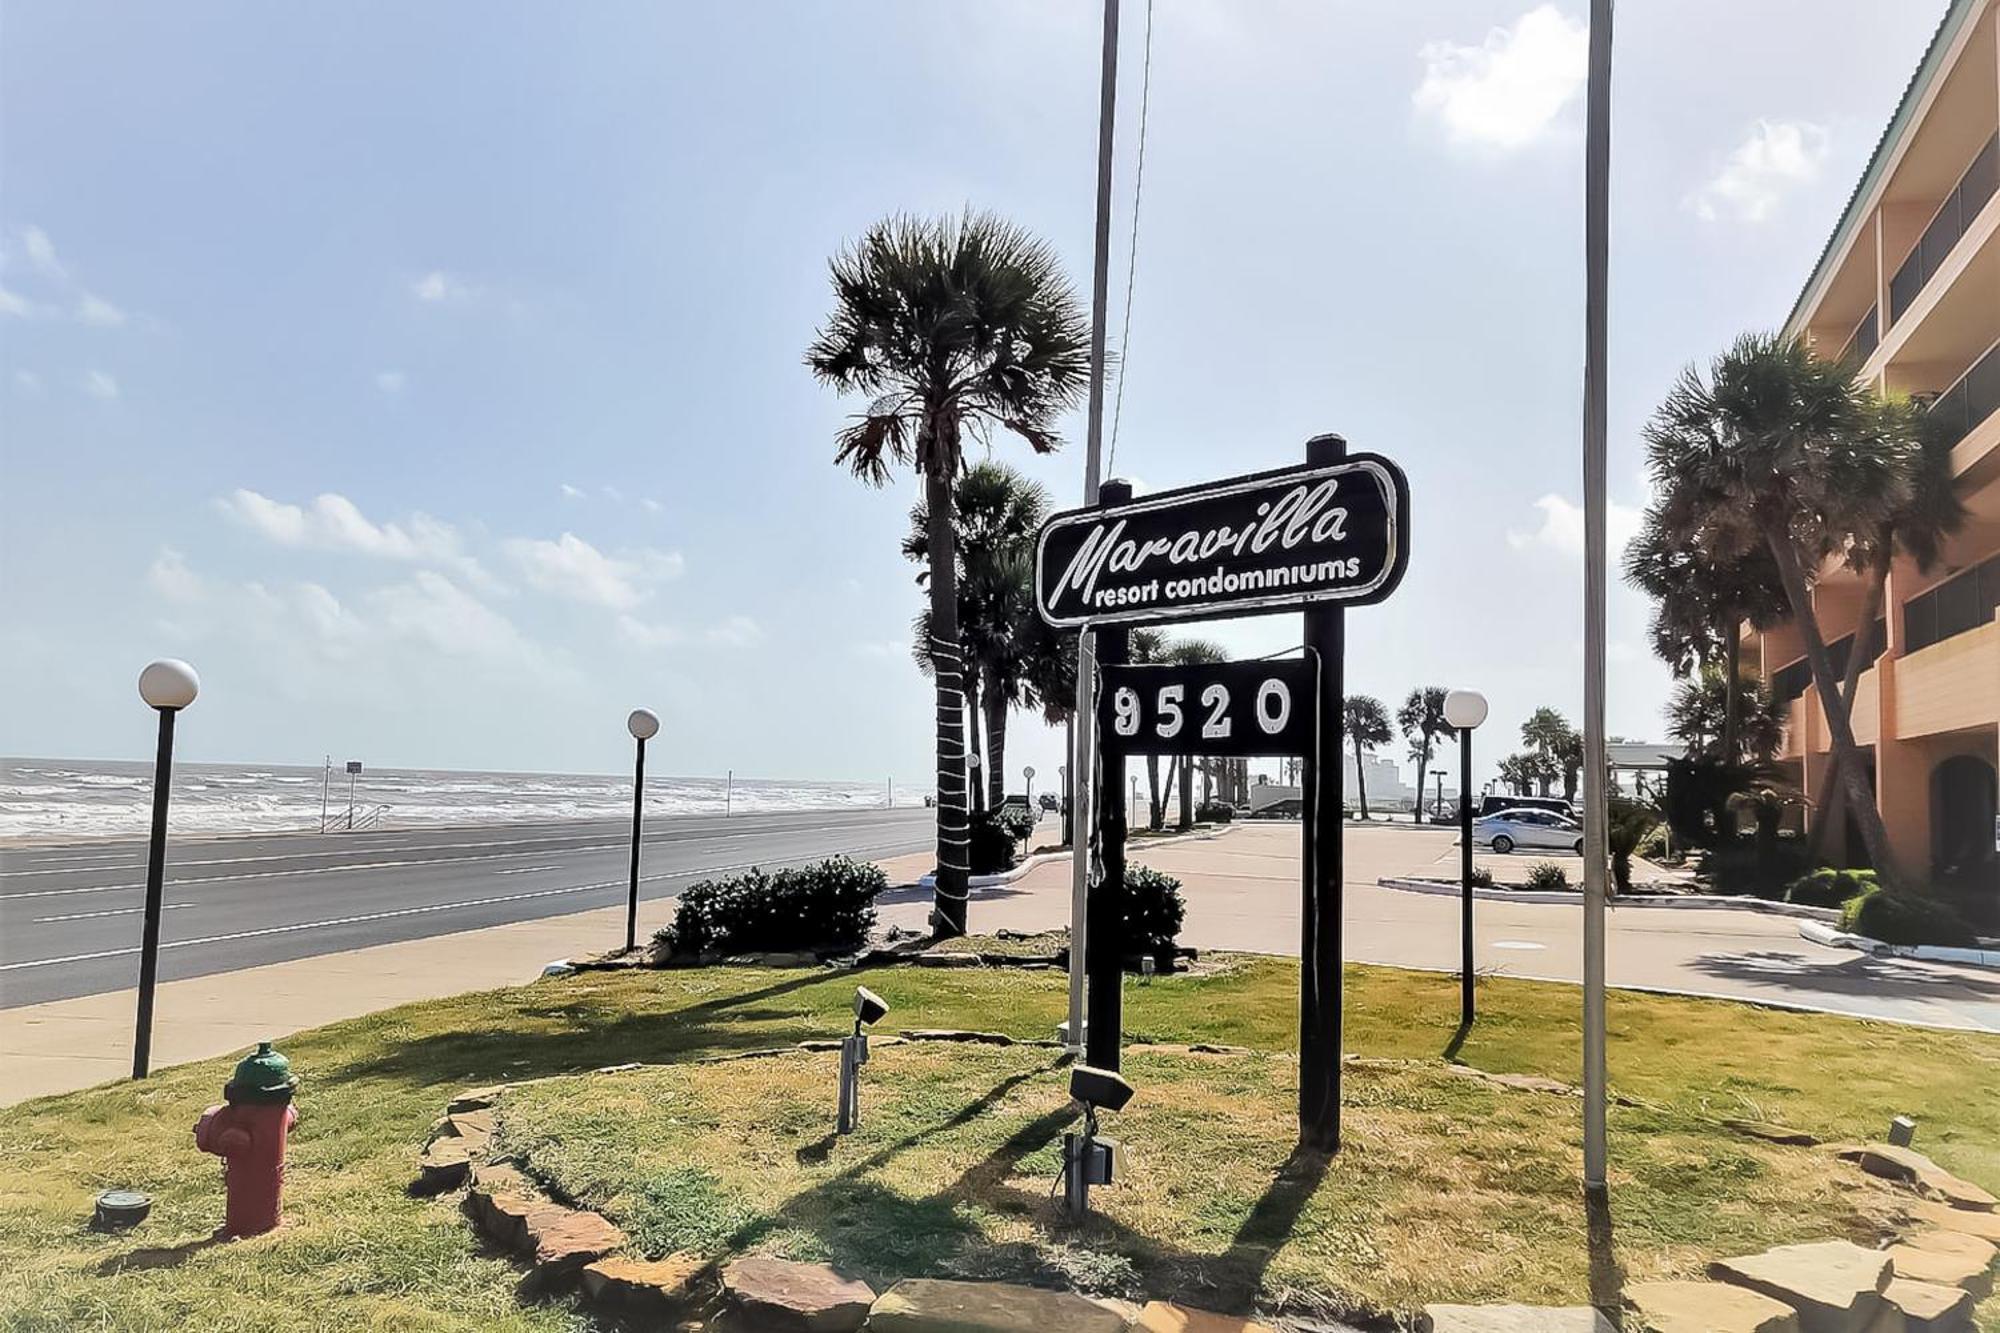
(430, 377)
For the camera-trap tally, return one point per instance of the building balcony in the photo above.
(1952, 685)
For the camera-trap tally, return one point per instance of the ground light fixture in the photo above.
(167, 686)
(1465, 710)
(869, 1008)
(1089, 1159)
(644, 724)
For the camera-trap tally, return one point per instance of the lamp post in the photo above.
(1028, 779)
(167, 686)
(1465, 710)
(644, 724)
(975, 789)
(1063, 795)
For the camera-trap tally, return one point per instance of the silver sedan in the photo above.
(1543, 829)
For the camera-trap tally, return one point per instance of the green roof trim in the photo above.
(1957, 13)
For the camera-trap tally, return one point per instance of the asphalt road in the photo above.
(71, 916)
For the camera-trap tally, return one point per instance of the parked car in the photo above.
(1291, 807)
(1047, 800)
(1493, 805)
(1508, 829)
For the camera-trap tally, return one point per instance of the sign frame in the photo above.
(1395, 562)
(1241, 714)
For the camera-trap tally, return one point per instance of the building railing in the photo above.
(1791, 681)
(1961, 603)
(1954, 215)
(1867, 336)
(1975, 397)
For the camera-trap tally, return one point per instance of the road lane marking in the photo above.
(428, 908)
(524, 870)
(115, 911)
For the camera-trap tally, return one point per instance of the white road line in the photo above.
(525, 870)
(115, 911)
(421, 911)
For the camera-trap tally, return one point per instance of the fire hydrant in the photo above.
(249, 1134)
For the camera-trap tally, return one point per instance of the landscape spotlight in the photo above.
(1087, 1159)
(868, 1008)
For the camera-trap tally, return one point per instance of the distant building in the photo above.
(1386, 788)
(1909, 285)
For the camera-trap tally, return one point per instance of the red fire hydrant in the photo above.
(248, 1134)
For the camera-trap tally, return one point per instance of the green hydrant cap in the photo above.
(262, 1076)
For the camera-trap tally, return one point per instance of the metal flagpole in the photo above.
(1596, 247)
(1081, 766)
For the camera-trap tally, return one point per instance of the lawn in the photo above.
(359, 1252)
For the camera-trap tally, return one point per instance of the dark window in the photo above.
(1956, 213)
(1790, 682)
(1963, 602)
(1976, 396)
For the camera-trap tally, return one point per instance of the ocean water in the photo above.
(41, 798)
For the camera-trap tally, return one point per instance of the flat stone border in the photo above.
(1929, 953)
(1685, 901)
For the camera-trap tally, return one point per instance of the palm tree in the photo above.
(996, 514)
(1518, 773)
(1558, 746)
(1149, 647)
(1188, 652)
(1422, 719)
(1779, 451)
(1366, 722)
(1697, 711)
(949, 325)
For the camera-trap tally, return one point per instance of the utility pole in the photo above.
(1082, 758)
(1596, 253)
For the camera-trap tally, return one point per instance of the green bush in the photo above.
(1829, 887)
(1154, 911)
(995, 839)
(1547, 875)
(1904, 918)
(1654, 846)
(1482, 878)
(1214, 812)
(1758, 866)
(825, 907)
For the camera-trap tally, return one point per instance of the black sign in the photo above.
(1216, 708)
(1249, 546)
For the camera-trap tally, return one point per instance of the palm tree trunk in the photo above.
(1872, 594)
(1839, 723)
(1360, 780)
(1732, 690)
(1156, 810)
(1423, 760)
(996, 744)
(950, 893)
(1187, 791)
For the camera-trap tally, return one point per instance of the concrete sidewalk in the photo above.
(1242, 893)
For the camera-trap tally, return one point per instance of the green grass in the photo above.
(358, 1252)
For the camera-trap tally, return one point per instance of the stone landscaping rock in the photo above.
(1928, 1307)
(1948, 1258)
(954, 1034)
(1166, 1317)
(645, 1289)
(565, 1239)
(476, 1125)
(930, 1305)
(763, 1293)
(1912, 1167)
(1708, 1307)
(1970, 1221)
(472, 1099)
(1512, 1319)
(1836, 1286)
(445, 1165)
(936, 959)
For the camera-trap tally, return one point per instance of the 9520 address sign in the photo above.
(1213, 708)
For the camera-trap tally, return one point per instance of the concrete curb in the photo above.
(929, 880)
(1691, 901)
(1927, 953)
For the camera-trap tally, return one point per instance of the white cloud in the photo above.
(437, 285)
(96, 311)
(570, 492)
(390, 381)
(1562, 528)
(27, 381)
(15, 304)
(335, 523)
(571, 567)
(650, 505)
(735, 632)
(41, 252)
(98, 384)
(1776, 156)
(647, 635)
(883, 648)
(170, 577)
(1506, 92)
(431, 609)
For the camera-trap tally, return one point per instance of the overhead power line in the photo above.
(1132, 249)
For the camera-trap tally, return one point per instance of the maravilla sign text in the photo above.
(1248, 546)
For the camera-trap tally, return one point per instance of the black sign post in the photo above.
(1314, 539)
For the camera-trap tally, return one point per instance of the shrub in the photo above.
(1154, 910)
(1482, 878)
(1904, 918)
(1829, 887)
(1654, 846)
(1547, 875)
(1758, 866)
(995, 840)
(1214, 812)
(1628, 824)
(828, 906)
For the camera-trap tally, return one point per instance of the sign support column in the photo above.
(1320, 904)
(1104, 931)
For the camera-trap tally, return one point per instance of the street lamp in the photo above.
(1063, 792)
(976, 791)
(644, 724)
(1028, 776)
(1465, 710)
(167, 686)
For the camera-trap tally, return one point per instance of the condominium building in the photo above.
(1910, 284)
